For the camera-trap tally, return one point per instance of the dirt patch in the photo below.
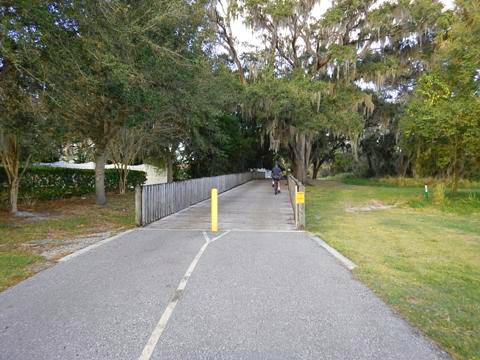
(27, 217)
(54, 249)
(373, 205)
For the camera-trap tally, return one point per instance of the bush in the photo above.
(45, 182)
(342, 163)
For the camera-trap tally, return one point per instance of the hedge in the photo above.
(47, 182)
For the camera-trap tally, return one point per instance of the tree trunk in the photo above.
(456, 176)
(404, 165)
(308, 153)
(226, 34)
(299, 170)
(169, 168)
(121, 182)
(355, 151)
(455, 181)
(354, 139)
(14, 187)
(371, 171)
(456, 168)
(124, 179)
(10, 156)
(100, 159)
(300, 150)
(316, 168)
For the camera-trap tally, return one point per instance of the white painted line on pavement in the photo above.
(350, 265)
(218, 237)
(162, 323)
(93, 246)
(205, 236)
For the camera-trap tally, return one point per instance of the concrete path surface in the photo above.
(257, 289)
(251, 206)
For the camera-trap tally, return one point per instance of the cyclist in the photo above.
(276, 177)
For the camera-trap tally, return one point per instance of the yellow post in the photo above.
(214, 210)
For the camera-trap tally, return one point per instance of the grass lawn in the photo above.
(53, 222)
(422, 259)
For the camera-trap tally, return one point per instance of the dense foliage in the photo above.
(45, 182)
(87, 73)
(322, 81)
(441, 127)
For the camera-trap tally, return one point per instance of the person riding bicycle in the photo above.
(276, 177)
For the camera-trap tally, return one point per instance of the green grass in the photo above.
(60, 220)
(13, 267)
(422, 258)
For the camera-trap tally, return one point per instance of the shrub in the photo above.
(342, 163)
(45, 182)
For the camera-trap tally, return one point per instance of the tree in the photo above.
(162, 142)
(181, 78)
(214, 132)
(104, 63)
(282, 106)
(95, 77)
(123, 149)
(223, 18)
(352, 40)
(441, 127)
(324, 147)
(23, 130)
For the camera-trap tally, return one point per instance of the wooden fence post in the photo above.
(138, 205)
(297, 199)
(301, 209)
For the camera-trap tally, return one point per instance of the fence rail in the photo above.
(295, 186)
(153, 202)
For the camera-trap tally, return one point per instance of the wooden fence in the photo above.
(295, 186)
(153, 202)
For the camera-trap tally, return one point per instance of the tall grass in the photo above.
(438, 195)
(401, 181)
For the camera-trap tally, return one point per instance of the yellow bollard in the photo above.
(214, 210)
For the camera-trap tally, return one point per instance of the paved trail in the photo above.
(257, 289)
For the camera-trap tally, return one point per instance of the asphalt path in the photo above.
(257, 289)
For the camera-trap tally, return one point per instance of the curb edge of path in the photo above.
(349, 264)
(93, 246)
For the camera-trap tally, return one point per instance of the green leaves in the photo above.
(433, 89)
(44, 182)
(441, 127)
